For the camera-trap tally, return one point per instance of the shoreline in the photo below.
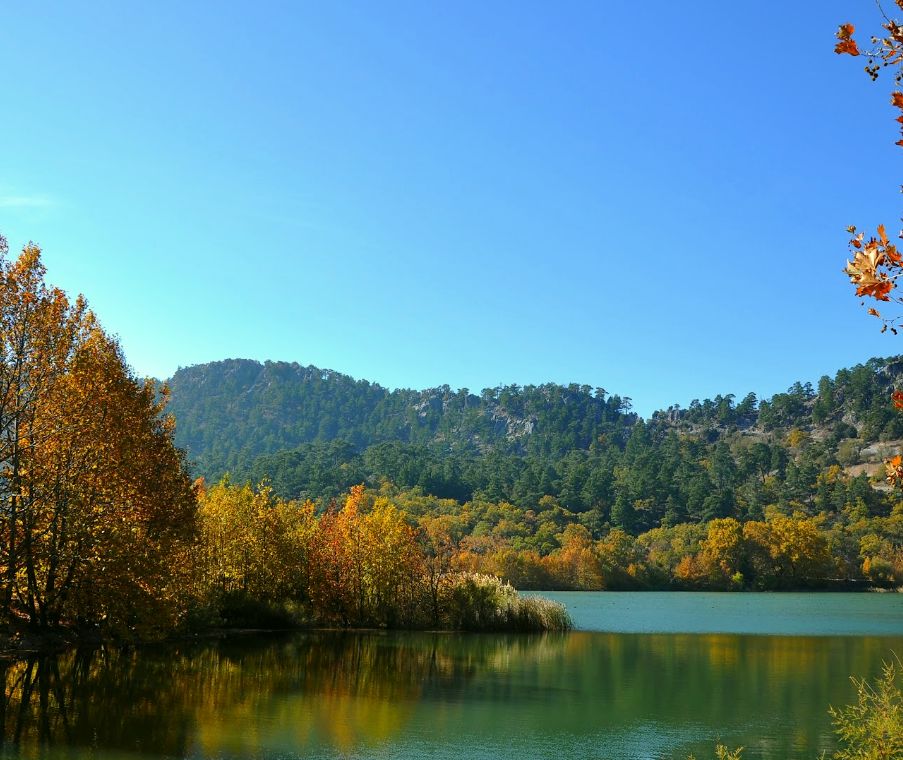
(36, 644)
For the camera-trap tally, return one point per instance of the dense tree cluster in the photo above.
(661, 474)
(97, 508)
(554, 548)
(364, 563)
(402, 557)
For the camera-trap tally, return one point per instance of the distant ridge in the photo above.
(230, 411)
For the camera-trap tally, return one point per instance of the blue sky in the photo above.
(642, 197)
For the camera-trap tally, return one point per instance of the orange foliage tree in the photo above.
(97, 507)
(369, 565)
(876, 262)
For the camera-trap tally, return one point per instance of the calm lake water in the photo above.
(644, 684)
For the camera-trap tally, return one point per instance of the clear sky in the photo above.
(648, 197)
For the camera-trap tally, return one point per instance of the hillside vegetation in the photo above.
(520, 476)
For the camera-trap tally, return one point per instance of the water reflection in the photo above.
(336, 694)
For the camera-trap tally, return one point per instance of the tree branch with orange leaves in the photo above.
(876, 264)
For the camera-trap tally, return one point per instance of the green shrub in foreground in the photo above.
(872, 728)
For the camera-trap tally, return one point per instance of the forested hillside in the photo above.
(554, 486)
(314, 433)
(231, 411)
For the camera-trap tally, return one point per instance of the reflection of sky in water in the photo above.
(781, 614)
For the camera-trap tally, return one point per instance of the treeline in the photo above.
(807, 456)
(552, 548)
(392, 556)
(858, 395)
(714, 460)
(659, 477)
(362, 563)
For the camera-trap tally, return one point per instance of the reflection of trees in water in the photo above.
(675, 675)
(86, 697)
(339, 692)
(781, 686)
(330, 687)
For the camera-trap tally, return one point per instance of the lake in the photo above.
(646, 682)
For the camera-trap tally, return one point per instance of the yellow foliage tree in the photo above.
(788, 551)
(97, 507)
(721, 555)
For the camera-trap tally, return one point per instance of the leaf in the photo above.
(846, 46)
(846, 42)
(894, 470)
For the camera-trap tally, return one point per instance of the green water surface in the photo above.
(618, 693)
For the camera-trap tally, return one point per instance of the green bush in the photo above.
(872, 728)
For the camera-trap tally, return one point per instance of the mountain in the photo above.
(231, 411)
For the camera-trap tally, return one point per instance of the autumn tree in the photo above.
(876, 263)
(576, 565)
(253, 544)
(721, 554)
(788, 552)
(97, 508)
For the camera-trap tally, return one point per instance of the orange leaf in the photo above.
(894, 469)
(846, 46)
(897, 398)
(877, 290)
(896, 99)
(845, 31)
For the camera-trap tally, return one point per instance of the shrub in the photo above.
(475, 602)
(872, 728)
